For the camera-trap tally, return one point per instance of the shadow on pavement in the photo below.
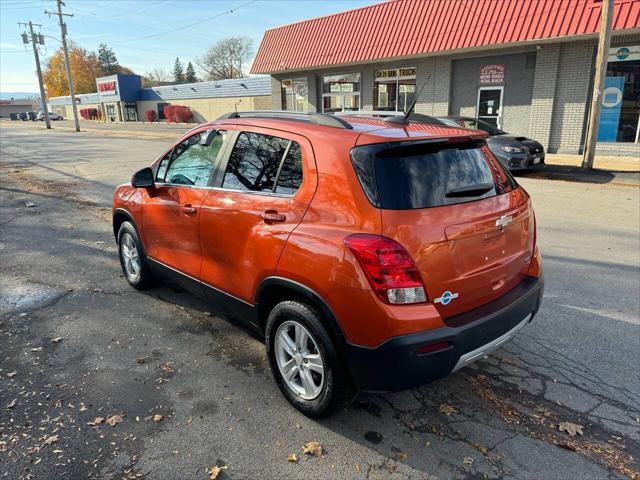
(577, 174)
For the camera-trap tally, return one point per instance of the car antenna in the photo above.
(405, 118)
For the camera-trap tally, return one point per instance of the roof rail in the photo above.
(393, 117)
(368, 113)
(316, 118)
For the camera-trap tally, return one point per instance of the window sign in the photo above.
(624, 54)
(492, 74)
(107, 88)
(611, 105)
(394, 89)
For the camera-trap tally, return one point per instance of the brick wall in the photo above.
(575, 71)
(544, 91)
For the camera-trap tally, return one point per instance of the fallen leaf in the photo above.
(51, 439)
(215, 471)
(56, 340)
(467, 460)
(12, 374)
(167, 368)
(570, 428)
(96, 421)
(398, 454)
(141, 360)
(36, 349)
(83, 407)
(157, 418)
(312, 448)
(29, 204)
(447, 409)
(113, 420)
(292, 457)
(12, 404)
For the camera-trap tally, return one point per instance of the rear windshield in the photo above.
(422, 175)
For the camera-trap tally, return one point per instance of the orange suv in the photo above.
(372, 254)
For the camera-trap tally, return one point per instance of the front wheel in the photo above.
(304, 360)
(132, 258)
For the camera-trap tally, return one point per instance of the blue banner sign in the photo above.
(611, 105)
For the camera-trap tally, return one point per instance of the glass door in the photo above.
(489, 107)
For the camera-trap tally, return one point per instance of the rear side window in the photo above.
(423, 175)
(264, 163)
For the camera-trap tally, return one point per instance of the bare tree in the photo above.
(227, 58)
(156, 77)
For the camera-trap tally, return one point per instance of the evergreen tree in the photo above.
(108, 60)
(190, 74)
(178, 71)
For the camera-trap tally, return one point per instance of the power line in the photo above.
(189, 25)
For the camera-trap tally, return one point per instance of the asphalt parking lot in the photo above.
(184, 390)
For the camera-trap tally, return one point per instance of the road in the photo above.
(78, 343)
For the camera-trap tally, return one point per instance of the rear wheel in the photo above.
(132, 258)
(304, 360)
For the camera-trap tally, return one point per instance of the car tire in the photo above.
(133, 260)
(325, 395)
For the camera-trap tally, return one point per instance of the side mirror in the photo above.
(143, 178)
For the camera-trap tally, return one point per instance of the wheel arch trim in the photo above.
(305, 292)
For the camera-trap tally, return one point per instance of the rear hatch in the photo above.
(459, 214)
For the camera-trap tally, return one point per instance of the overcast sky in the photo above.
(139, 30)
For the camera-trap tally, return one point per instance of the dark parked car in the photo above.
(23, 116)
(32, 116)
(516, 153)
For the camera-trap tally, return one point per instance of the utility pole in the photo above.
(35, 40)
(606, 18)
(63, 31)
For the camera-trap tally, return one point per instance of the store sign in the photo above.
(611, 106)
(107, 88)
(624, 54)
(395, 74)
(492, 74)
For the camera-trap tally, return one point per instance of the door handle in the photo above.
(272, 216)
(189, 209)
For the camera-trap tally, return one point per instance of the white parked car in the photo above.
(52, 116)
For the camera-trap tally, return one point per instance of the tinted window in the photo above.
(290, 177)
(192, 161)
(427, 176)
(254, 162)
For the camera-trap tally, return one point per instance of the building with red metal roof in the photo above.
(525, 66)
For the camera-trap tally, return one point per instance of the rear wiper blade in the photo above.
(470, 190)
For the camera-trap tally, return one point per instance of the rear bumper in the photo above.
(397, 363)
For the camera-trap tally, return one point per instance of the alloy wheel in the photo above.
(299, 360)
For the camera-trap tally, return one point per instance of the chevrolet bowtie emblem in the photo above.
(503, 222)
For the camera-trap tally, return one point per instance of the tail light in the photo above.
(389, 268)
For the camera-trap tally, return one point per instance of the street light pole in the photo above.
(606, 19)
(63, 31)
(35, 39)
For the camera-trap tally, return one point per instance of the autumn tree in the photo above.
(85, 68)
(178, 71)
(108, 60)
(227, 58)
(190, 74)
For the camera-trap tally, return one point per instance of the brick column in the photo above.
(544, 93)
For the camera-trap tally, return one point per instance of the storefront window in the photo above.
(394, 89)
(341, 92)
(295, 95)
(620, 113)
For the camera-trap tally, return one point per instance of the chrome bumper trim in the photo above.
(485, 350)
